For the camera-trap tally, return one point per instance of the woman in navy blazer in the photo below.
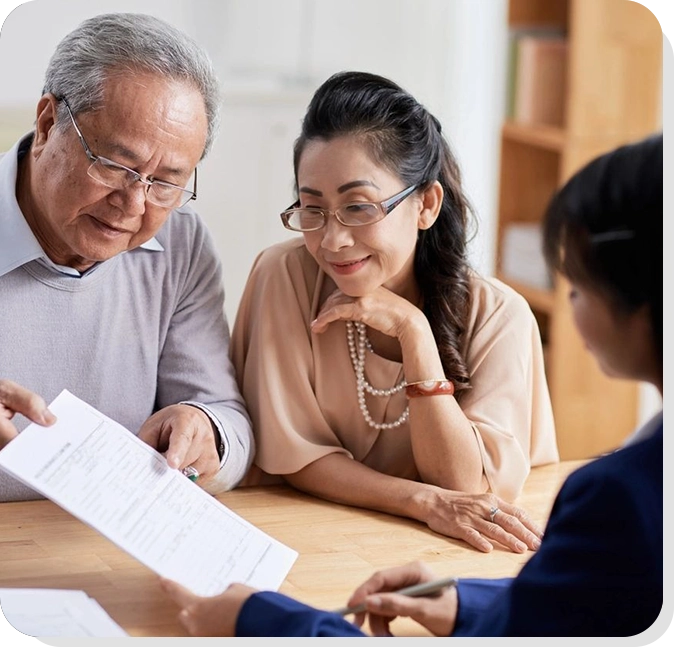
(599, 569)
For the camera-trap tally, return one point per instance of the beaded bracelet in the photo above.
(429, 387)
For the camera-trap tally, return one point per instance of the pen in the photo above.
(416, 591)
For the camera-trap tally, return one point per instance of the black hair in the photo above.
(401, 135)
(603, 229)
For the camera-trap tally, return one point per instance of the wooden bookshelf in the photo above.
(613, 95)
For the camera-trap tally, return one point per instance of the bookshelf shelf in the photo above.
(548, 137)
(542, 301)
(540, 13)
(593, 414)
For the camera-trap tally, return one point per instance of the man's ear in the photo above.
(44, 122)
(431, 201)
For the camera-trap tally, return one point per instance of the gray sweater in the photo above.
(144, 330)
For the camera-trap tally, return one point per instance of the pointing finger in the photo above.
(17, 399)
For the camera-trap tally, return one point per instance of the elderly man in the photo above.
(109, 282)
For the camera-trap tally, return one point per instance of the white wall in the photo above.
(32, 30)
(472, 108)
(271, 55)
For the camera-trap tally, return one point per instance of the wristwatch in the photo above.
(219, 442)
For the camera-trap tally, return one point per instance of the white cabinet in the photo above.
(247, 179)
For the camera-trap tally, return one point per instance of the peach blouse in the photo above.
(300, 387)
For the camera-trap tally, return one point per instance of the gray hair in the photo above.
(129, 43)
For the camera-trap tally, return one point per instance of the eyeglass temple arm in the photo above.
(390, 204)
(194, 190)
(87, 150)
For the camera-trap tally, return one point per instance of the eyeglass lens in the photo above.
(116, 176)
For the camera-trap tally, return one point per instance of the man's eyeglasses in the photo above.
(118, 176)
(352, 214)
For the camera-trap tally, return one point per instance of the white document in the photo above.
(103, 474)
(56, 612)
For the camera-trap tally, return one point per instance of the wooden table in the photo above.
(43, 546)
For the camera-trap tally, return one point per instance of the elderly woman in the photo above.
(379, 370)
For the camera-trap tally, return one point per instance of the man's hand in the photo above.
(185, 435)
(215, 616)
(16, 399)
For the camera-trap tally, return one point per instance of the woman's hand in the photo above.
(471, 517)
(381, 310)
(213, 616)
(437, 613)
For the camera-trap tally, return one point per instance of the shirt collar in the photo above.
(18, 244)
(645, 431)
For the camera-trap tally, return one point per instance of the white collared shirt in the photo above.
(645, 431)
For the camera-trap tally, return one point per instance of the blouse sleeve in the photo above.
(509, 403)
(273, 358)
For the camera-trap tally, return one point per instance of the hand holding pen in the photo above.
(410, 591)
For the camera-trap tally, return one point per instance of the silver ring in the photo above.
(492, 513)
(192, 473)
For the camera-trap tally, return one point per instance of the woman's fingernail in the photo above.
(374, 601)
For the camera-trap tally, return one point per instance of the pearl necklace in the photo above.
(357, 352)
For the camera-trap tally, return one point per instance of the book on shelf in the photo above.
(522, 257)
(540, 90)
(515, 36)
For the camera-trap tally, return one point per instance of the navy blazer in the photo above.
(598, 571)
